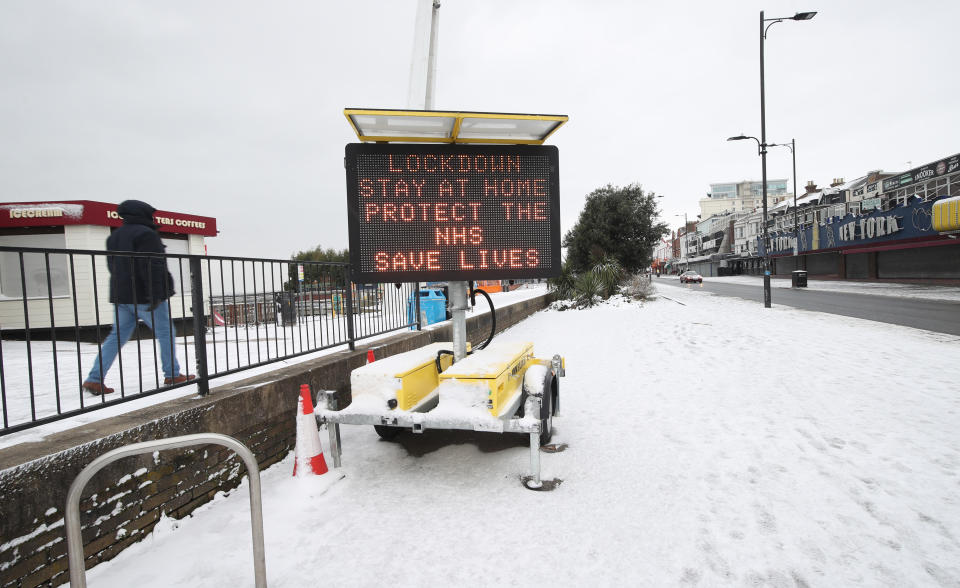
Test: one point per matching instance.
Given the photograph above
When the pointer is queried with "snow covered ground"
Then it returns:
(711, 443)
(240, 349)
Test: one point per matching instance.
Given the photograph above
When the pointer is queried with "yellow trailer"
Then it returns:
(503, 388)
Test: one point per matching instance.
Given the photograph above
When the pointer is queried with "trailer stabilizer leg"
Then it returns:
(329, 400)
(334, 430)
(533, 481)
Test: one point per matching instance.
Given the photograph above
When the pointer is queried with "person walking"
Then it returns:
(139, 290)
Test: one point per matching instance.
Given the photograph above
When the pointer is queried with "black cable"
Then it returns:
(440, 354)
(443, 352)
(493, 314)
(493, 324)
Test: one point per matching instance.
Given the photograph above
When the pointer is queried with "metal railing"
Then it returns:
(229, 314)
(78, 577)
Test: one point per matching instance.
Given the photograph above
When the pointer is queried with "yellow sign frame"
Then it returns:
(454, 136)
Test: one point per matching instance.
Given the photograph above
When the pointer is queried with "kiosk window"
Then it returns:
(34, 266)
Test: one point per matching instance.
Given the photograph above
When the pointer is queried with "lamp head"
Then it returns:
(738, 138)
(804, 15)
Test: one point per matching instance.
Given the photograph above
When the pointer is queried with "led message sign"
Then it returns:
(452, 212)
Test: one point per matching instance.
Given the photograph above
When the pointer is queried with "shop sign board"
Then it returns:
(910, 222)
(452, 212)
(939, 168)
(88, 212)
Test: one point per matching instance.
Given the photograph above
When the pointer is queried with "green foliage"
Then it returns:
(588, 288)
(609, 272)
(565, 283)
(318, 253)
(603, 280)
(325, 276)
(616, 222)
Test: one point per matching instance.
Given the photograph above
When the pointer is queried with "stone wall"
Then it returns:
(125, 500)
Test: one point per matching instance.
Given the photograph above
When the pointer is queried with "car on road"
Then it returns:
(690, 277)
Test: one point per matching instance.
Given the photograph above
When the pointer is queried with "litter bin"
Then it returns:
(798, 279)
(433, 307)
(287, 302)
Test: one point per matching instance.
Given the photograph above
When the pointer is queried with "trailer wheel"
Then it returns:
(546, 422)
(387, 433)
(546, 406)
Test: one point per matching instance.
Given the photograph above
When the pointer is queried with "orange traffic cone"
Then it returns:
(309, 453)
(370, 357)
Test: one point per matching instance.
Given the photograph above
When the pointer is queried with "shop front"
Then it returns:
(72, 287)
(902, 243)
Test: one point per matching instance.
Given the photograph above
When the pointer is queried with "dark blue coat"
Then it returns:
(137, 280)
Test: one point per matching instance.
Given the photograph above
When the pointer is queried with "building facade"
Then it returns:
(880, 226)
(52, 280)
(741, 196)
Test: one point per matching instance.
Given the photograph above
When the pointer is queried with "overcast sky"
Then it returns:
(234, 109)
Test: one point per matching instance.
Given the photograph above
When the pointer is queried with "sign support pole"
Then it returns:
(457, 290)
(458, 307)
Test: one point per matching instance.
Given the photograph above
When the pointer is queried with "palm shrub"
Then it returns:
(609, 273)
(564, 284)
(600, 281)
(604, 279)
(588, 288)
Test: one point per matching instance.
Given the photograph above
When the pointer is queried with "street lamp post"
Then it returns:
(762, 143)
(763, 140)
(792, 145)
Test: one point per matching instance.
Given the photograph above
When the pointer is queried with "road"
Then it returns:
(933, 315)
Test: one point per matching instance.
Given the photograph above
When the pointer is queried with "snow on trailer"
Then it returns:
(503, 389)
(453, 211)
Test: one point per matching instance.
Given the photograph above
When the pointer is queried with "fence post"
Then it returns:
(199, 325)
(416, 296)
(349, 296)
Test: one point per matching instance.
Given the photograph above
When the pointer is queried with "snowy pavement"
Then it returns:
(707, 447)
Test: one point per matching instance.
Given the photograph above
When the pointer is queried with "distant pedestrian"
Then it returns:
(139, 290)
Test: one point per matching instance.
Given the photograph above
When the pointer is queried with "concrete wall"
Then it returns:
(122, 504)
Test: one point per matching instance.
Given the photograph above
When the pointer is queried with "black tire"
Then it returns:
(546, 407)
(546, 422)
(387, 433)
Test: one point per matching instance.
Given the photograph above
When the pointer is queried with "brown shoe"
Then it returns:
(96, 388)
(178, 380)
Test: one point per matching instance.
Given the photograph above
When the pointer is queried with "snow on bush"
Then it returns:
(639, 286)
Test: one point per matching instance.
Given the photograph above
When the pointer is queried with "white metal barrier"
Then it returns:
(72, 514)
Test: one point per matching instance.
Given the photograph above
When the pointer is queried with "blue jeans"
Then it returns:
(125, 318)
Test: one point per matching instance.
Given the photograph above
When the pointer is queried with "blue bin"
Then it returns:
(433, 307)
